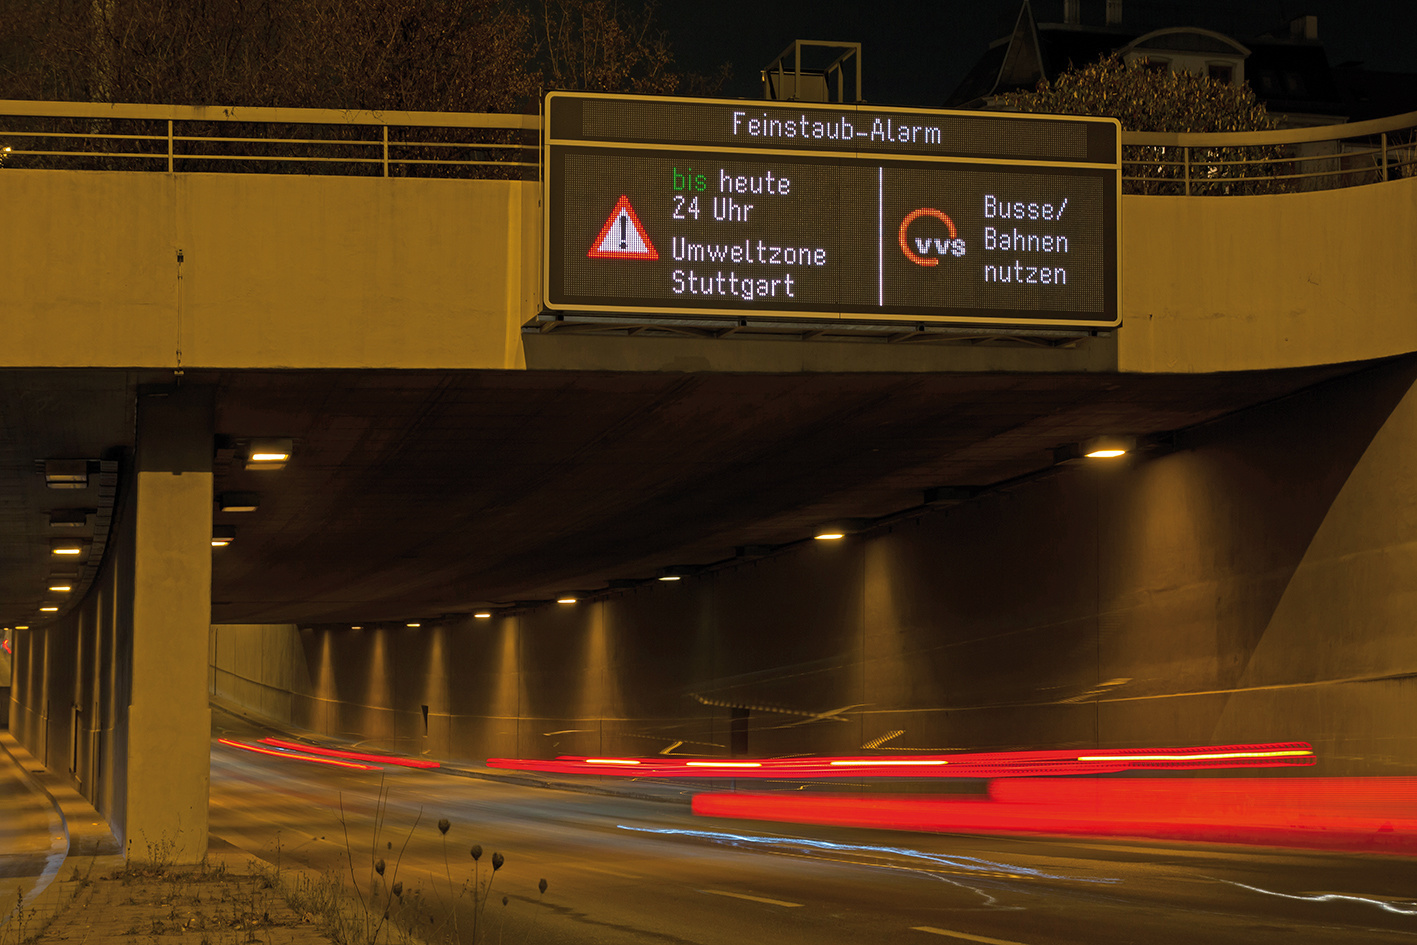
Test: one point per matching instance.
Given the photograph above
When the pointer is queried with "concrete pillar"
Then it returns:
(169, 718)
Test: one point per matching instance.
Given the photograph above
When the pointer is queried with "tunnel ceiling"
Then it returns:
(421, 493)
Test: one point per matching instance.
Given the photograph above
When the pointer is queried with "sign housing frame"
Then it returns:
(554, 148)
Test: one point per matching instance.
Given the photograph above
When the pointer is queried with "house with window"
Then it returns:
(1287, 69)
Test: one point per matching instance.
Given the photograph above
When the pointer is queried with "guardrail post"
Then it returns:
(1186, 162)
(1384, 157)
(386, 150)
(169, 146)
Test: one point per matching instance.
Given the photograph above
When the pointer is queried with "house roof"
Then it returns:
(1289, 75)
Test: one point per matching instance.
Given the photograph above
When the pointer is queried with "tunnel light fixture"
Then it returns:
(66, 473)
(951, 495)
(22, 626)
(840, 528)
(222, 536)
(1107, 447)
(1096, 447)
(483, 614)
(270, 453)
(49, 609)
(68, 518)
(71, 549)
(239, 501)
(413, 625)
(566, 600)
(670, 577)
(61, 588)
(356, 626)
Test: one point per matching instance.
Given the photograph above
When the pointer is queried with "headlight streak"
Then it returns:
(968, 863)
(1331, 897)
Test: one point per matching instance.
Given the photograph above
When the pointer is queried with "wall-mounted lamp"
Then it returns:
(676, 572)
(269, 453)
(66, 473)
(239, 501)
(49, 609)
(413, 625)
(1096, 447)
(68, 518)
(1107, 447)
(60, 588)
(840, 528)
(483, 614)
(222, 535)
(950, 495)
(566, 600)
(67, 549)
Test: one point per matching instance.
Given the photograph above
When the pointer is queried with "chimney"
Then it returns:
(1304, 27)
(1072, 12)
(1114, 12)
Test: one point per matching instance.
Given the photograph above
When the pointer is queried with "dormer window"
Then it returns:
(1190, 49)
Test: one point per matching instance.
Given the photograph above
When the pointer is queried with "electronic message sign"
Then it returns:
(786, 210)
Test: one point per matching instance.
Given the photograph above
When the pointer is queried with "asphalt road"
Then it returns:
(628, 870)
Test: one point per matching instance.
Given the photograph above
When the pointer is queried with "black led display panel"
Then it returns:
(668, 206)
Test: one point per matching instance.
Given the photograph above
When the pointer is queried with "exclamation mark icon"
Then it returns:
(622, 236)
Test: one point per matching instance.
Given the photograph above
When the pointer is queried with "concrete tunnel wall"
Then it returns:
(71, 684)
(1254, 585)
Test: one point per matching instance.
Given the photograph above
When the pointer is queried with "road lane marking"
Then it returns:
(606, 871)
(965, 935)
(764, 899)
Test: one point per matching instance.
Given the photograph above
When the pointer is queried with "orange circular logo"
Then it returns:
(910, 218)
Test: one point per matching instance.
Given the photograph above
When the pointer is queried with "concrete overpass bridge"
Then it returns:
(456, 450)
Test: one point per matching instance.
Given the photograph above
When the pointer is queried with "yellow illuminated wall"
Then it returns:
(267, 271)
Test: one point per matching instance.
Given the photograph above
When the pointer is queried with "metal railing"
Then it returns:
(87, 136)
(1325, 157)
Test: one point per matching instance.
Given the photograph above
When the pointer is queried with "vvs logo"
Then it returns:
(927, 250)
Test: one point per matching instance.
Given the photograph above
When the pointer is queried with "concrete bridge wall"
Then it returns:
(314, 272)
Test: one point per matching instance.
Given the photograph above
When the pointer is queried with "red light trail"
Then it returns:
(1361, 815)
(351, 755)
(280, 753)
(1007, 764)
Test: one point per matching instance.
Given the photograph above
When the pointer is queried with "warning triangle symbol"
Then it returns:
(622, 236)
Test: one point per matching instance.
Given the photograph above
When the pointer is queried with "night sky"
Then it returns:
(916, 53)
